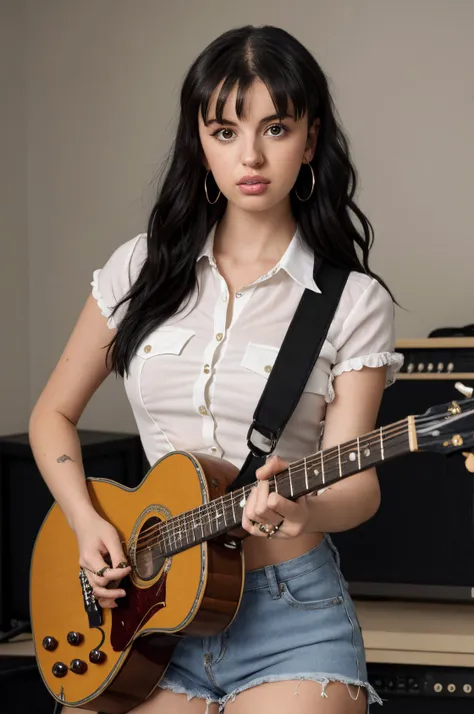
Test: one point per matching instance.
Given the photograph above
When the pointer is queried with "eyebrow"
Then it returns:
(272, 117)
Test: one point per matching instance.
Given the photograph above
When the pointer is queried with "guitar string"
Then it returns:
(180, 521)
(157, 556)
(295, 470)
(295, 467)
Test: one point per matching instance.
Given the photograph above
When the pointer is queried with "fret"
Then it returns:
(185, 532)
(215, 519)
(205, 521)
(181, 525)
(233, 506)
(173, 535)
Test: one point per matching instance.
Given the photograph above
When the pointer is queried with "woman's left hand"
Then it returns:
(269, 515)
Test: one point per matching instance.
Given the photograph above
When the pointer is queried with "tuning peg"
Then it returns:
(465, 391)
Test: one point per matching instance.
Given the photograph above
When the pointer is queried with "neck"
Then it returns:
(249, 237)
(312, 473)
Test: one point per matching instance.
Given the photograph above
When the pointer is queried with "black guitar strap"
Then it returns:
(294, 363)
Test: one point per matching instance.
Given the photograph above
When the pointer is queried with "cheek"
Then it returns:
(223, 166)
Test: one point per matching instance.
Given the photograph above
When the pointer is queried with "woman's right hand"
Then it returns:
(98, 539)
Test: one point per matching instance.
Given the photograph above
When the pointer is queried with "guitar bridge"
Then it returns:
(91, 606)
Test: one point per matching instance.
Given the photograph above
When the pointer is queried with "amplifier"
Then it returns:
(437, 358)
(420, 543)
(422, 681)
(417, 689)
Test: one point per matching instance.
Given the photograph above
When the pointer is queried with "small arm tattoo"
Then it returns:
(64, 458)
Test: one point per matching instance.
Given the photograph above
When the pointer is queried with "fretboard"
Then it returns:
(310, 474)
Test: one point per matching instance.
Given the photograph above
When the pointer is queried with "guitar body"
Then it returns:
(194, 592)
(182, 535)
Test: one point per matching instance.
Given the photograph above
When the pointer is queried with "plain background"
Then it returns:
(89, 94)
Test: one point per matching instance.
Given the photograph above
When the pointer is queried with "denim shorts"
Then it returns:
(296, 621)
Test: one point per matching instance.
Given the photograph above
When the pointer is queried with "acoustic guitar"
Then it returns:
(182, 534)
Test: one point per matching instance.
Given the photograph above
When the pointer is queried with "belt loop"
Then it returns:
(272, 581)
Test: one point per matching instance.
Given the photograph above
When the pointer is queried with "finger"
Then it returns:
(112, 575)
(262, 510)
(107, 603)
(108, 593)
(249, 525)
(284, 507)
(272, 466)
(114, 547)
(108, 582)
(255, 508)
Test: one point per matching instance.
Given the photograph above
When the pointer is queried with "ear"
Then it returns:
(311, 141)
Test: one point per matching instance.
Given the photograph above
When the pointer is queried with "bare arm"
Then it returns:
(53, 435)
(352, 413)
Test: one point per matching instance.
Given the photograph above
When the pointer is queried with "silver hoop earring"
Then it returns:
(313, 181)
(207, 195)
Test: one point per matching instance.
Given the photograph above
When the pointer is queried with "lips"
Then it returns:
(251, 180)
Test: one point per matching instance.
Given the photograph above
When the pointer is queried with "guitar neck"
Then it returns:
(312, 473)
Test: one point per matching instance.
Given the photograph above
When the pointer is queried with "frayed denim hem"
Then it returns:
(196, 693)
(320, 677)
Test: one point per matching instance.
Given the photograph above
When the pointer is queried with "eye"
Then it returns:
(223, 135)
(277, 130)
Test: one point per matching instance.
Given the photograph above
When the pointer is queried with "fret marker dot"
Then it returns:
(366, 452)
(352, 456)
(316, 472)
(242, 502)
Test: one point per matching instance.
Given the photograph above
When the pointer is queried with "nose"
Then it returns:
(252, 154)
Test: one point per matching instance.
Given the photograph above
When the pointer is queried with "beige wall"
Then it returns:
(14, 266)
(103, 83)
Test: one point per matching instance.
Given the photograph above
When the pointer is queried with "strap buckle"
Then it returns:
(272, 436)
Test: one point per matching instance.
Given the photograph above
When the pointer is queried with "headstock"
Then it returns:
(448, 428)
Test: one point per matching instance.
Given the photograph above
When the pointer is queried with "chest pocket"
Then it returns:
(261, 358)
(165, 341)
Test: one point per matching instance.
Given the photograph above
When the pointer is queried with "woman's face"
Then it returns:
(255, 161)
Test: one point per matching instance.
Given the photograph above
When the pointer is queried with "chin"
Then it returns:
(257, 204)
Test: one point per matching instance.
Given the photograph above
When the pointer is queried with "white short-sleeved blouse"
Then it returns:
(193, 384)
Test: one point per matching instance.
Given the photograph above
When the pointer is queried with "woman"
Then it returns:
(195, 311)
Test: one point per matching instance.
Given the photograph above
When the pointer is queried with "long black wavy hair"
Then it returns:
(182, 217)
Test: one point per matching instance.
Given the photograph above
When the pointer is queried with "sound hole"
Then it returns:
(148, 559)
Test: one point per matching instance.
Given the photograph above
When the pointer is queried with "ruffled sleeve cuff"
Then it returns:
(392, 360)
(104, 308)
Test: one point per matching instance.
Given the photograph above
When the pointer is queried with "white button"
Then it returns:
(203, 410)
(213, 449)
(219, 336)
(147, 348)
(237, 295)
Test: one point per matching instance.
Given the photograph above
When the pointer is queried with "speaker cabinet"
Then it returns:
(25, 501)
(420, 544)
